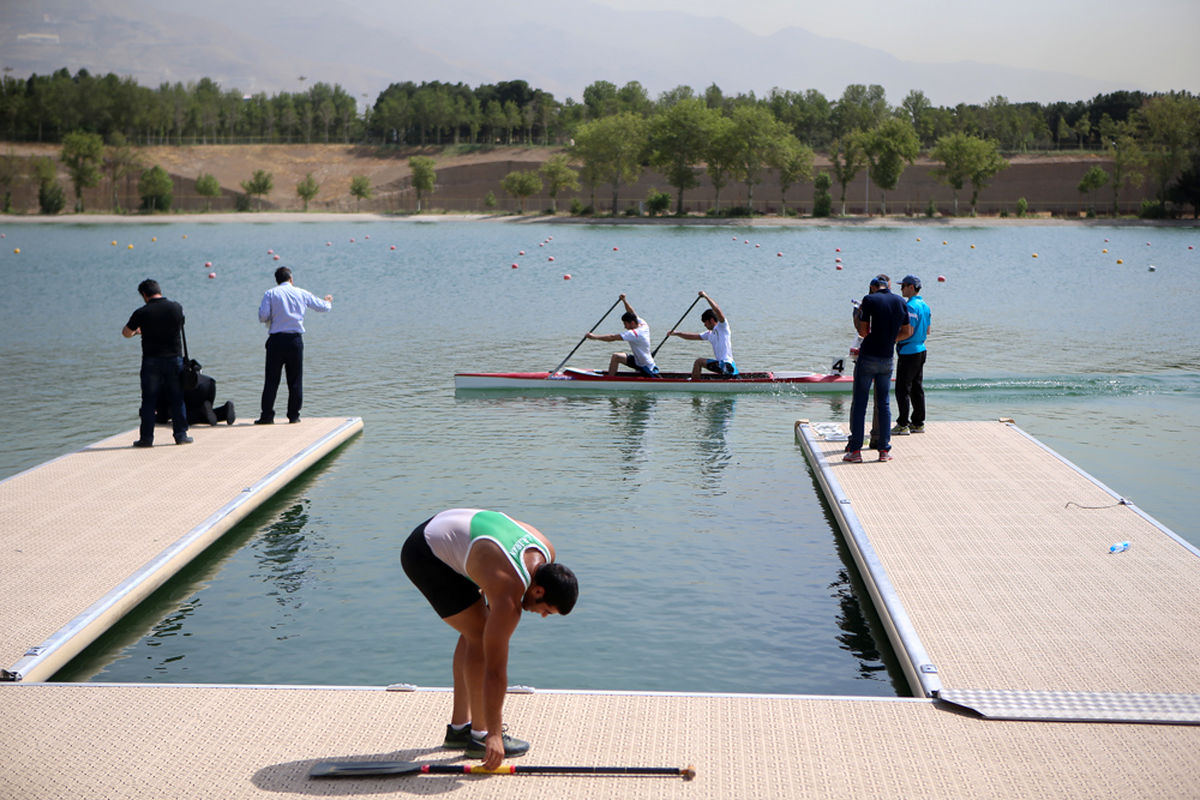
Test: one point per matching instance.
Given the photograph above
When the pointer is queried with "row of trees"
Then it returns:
(617, 133)
(682, 143)
(47, 107)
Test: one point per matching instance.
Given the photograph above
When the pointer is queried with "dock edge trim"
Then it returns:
(918, 668)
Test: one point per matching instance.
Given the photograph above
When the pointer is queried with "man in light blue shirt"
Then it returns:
(282, 311)
(910, 362)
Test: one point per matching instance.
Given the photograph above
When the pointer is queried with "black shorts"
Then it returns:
(447, 591)
(649, 372)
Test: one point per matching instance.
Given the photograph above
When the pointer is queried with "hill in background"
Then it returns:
(364, 45)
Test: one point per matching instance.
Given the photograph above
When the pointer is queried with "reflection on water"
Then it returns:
(856, 636)
(281, 554)
(714, 415)
(631, 416)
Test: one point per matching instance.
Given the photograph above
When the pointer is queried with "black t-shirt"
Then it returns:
(886, 313)
(161, 320)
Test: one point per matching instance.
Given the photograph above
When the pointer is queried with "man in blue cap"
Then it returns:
(881, 318)
(910, 361)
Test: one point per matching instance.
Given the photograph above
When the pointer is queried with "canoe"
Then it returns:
(572, 380)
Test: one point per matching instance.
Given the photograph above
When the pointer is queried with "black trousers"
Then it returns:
(285, 351)
(910, 372)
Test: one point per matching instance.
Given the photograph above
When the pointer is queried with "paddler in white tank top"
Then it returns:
(637, 335)
(479, 569)
(718, 335)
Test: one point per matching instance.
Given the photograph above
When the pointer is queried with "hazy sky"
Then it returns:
(1147, 42)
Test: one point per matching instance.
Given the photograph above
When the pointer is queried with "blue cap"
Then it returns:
(911, 280)
(878, 283)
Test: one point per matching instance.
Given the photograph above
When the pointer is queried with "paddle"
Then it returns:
(349, 769)
(654, 352)
(584, 339)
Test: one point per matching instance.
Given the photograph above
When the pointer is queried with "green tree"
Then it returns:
(793, 161)
(954, 151)
(260, 184)
(920, 113)
(522, 184)
(9, 173)
(1167, 131)
(424, 179)
(721, 155)
(51, 197)
(82, 154)
(1186, 190)
(678, 139)
(1063, 132)
(966, 158)
(848, 159)
(861, 108)
(156, 189)
(808, 115)
(601, 100)
(1083, 129)
(613, 147)
(307, 189)
(120, 161)
(988, 163)
(1121, 146)
(822, 199)
(360, 188)
(208, 188)
(890, 147)
(760, 137)
(1093, 179)
(558, 175)
(657, 202)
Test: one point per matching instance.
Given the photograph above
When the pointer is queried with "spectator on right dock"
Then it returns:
(910, 362)
(881, 318)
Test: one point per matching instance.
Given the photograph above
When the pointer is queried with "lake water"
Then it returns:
(706, 556)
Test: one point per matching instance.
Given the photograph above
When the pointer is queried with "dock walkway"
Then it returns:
(987, 555)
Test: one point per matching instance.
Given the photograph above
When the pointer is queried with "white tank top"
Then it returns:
(452, 533)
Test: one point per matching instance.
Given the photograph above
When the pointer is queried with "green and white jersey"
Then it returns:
(452, 533)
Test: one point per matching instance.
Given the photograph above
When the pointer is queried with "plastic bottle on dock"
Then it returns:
(1119, 547)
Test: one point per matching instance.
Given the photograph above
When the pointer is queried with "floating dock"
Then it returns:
(988, 557)
(88, 536)
(985, 553)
